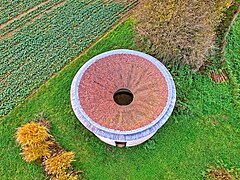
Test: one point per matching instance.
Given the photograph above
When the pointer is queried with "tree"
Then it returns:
(179, 31)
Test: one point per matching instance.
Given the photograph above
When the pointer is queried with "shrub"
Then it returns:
(32, 133)
(37, 143)
(33, 152)
(65, 176)
(59, 163)
(180, 32)
(222, 172)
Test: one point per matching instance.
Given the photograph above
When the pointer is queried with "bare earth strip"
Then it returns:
(9, 35)
(21, 15)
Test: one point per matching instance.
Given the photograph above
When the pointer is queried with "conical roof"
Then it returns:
(148, 81)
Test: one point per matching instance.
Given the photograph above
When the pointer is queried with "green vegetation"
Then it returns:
(10, 10)
(203, 130)
(28, 17)
(232, 51)
(38, 50)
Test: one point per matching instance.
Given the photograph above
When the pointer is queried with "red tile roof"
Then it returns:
(105, 76)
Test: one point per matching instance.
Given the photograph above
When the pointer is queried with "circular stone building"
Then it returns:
(123, 96)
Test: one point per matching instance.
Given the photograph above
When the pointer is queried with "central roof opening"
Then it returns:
(123, 97)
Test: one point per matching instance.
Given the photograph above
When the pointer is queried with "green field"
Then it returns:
(45, 36)
(204, 129)
(11, 10)
(233, 51)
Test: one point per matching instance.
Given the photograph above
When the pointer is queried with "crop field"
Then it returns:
(39, 37)
(10, 10)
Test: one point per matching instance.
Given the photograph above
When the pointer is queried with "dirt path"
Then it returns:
(9, 35)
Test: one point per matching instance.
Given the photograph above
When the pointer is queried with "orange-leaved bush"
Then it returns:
(32, 133)
(33, 138)
(179, 31)
(37, 144)
(58, 163)
(36, 151)
(65, 176)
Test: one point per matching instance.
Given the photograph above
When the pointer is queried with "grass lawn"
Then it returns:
(203, 130)
(232, 54)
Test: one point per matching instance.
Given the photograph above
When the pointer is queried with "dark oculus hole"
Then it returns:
(123, 97)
